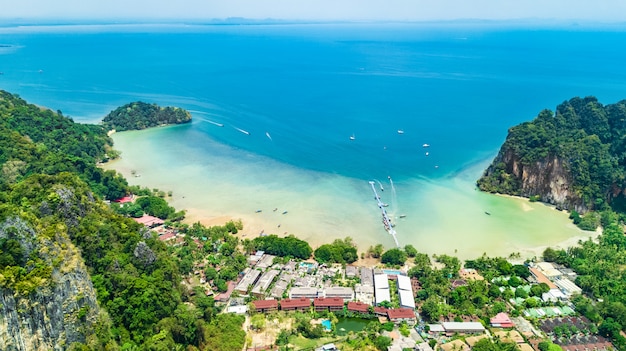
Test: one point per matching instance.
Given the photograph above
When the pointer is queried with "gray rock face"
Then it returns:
(548, 178)
(50, 318)
(60, 310)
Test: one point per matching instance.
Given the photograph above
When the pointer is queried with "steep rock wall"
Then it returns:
(60, 312)
(547, 178)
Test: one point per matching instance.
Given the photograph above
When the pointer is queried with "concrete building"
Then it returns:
(355, 306)
(381, 295)
(328, 304)
(381, 281)
(264, 282)
(265, 305)
(341, 292)
(304, 292)
(568, 287)
(352, 271)
(364, 293)
(406, 299)
(302, 304)
(248, 280)
(404, 283)
(367, 276)
(398, 315)
(265, 261)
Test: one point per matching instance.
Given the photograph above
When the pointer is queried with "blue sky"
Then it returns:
(597, 10)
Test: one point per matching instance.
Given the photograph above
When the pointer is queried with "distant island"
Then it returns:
(573, 158)
(141, 115)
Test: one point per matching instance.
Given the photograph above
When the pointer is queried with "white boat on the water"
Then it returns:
(267, 134)
(352, 137)
(426, 145)
(242, 131)
(400, 131)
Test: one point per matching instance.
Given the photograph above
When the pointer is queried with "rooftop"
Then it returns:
(263, 304)
(400, 313)
(328, 302)
(293, 303)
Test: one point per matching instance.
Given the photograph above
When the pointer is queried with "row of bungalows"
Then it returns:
(395, 315)
(344, 293)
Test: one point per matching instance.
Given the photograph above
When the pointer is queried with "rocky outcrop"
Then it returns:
(60, 310)
(548, 179)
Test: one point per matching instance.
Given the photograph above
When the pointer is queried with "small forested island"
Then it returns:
(573, 158)
(88, 262)
(141, 115)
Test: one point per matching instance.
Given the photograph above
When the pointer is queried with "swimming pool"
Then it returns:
(326, 324)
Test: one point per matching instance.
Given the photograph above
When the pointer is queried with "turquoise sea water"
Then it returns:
(301, 91)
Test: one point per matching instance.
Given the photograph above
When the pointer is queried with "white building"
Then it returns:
(406, 299)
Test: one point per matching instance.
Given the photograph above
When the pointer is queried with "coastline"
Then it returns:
(215, 184)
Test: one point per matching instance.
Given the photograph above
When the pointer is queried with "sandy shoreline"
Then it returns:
(443, 216)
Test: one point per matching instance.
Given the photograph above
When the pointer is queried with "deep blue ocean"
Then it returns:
(302, 90)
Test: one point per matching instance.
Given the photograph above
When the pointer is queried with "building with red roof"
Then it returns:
(167, 236)
(125, 199)
(223, 297)
(328, 303)
(265, 305)
(149, 221)
(380, 311)
(301, 304)
(501, 320)
(357, 306)
(398, 315)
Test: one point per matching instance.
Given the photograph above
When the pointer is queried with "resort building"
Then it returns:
(380, 311)
(328, 304)
(355, 306)
(541, 278)
(304, 292)
(568, 287)
(451, 328)
(352, 271)
(341, 292)
(364, 293)
(281, 285)
(472, 340)
(367, 276)
(149, 221)
(225, 296)
(501, 320)
(248, 280)
(264, 282)
(264, 306)
(398, 315)
(405, 292)
(406, 299)
(381, 288)
(265, 261)
(302, 304)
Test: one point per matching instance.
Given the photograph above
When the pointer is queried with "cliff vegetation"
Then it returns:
(141, 115)
(573, 158)
(73, 273)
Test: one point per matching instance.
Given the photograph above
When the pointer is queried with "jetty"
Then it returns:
(386, 221)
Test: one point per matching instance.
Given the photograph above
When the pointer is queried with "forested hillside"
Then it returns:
(573, 158)
(140, 115)
(50, 204)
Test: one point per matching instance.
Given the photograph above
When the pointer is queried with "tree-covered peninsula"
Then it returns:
(141, 115)
(573, 158)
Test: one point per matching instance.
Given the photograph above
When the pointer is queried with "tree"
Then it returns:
(394, 257)
(410, 250)
(382, 343)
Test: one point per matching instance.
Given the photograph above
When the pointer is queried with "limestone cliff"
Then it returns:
(49, 303)
(547, 179)
(574, 158)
